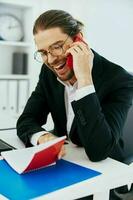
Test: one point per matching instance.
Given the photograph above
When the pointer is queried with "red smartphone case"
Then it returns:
(69, 61)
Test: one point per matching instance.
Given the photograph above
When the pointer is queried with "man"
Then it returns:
(88, 100)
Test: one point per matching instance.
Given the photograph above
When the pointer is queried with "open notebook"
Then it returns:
(36, 157)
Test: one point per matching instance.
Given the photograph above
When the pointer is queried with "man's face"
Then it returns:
(47, 39)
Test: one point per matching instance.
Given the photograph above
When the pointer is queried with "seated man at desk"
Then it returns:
(87, 95)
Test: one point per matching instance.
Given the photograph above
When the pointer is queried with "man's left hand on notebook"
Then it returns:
(47, 137)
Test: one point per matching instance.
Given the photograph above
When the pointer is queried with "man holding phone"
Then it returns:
(87, 95)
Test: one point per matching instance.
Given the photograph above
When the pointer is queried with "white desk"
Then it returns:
(7, 122)
(114, 173)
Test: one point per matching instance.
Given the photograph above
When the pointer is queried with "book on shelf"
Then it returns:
(36, 157)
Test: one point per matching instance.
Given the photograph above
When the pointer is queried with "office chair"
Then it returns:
(122, 192)
(128, 136)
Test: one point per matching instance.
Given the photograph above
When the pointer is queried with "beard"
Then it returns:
(66, 76)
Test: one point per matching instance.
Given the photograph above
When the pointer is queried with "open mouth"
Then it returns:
(60, 66)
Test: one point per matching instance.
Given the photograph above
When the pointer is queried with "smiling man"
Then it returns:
(55, 57)
(88, 97)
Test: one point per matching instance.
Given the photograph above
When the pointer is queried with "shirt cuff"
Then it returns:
(35, 137)
(84, 91)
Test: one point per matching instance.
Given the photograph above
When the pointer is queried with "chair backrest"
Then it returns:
(128, 135)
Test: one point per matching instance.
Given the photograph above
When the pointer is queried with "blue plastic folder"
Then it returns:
(36, 183)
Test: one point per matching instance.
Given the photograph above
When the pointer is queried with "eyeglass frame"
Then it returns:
(36, 52)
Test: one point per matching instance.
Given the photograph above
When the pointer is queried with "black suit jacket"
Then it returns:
(99, 117)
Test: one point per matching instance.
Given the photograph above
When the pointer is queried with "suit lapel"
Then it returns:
(59, 108)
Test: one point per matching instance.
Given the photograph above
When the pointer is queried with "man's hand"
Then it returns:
(47, 137)
(82, 63)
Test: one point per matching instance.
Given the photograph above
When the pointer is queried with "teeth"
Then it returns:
(59, 66)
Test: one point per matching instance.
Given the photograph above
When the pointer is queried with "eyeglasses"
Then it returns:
(54, 50)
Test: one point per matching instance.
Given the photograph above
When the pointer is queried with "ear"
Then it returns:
(78, 35)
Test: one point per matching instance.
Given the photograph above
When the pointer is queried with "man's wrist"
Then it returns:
(83, 83)
(84, 91)
(41, 137)
(35, 136)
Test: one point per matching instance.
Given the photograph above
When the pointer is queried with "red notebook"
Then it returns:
(32, 158)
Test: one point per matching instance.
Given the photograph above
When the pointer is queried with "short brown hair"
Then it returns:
(58, 18)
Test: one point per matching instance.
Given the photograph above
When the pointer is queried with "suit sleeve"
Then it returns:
(34, 114)
(100, 123)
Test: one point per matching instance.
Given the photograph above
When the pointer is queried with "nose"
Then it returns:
(51, 58)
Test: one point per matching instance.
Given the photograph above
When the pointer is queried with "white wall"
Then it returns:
(108, 25)
(108, 28)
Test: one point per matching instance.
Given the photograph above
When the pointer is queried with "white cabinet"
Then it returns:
(16, 57)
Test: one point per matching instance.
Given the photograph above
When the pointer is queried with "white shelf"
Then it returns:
(14, 77)
(23, 4)
(12, 43)
(16, 88)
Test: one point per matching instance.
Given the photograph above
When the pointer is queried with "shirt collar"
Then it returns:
(66, 84)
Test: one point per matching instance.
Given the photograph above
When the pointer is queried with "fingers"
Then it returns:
(78, 47)
(62, 152)
(82, 46)
(49, 136)
(46, 137)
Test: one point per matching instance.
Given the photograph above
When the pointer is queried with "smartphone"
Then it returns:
(5, 146)
(69, 61)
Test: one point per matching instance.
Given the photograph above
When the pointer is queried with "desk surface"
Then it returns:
(114, 173)
(7, 122)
